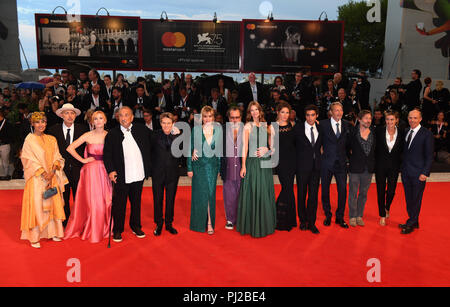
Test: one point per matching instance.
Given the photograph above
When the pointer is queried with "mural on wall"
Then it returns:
(439, 11)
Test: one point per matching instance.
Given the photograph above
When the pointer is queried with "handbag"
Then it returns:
(50, 193)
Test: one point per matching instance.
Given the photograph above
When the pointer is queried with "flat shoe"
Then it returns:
(36, 245)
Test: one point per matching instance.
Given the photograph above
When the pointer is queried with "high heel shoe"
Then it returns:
(36, 245)
(210, 232)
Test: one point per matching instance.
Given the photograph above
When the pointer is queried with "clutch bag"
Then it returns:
(50, 193)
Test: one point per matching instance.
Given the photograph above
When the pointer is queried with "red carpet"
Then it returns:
(336, 257)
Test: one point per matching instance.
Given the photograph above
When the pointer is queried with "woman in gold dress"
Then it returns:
(43, 169)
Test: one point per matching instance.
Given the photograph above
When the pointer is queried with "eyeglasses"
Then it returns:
(235, 117)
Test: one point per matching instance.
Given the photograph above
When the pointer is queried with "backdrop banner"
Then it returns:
(102, 42)
(288, 46)
(191, 45)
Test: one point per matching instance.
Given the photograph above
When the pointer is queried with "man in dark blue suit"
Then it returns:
(417, 159)
(335, 132)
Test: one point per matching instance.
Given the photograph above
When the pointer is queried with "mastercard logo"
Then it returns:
(44, 21)
(170, 39)
(251, 26)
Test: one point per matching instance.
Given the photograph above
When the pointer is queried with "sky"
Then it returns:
(176, 9)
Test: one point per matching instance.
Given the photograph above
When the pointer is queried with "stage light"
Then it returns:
(215, 18)
(102, 8)
(65, 11)
(269, 17)
(326, 16)
(162, 19)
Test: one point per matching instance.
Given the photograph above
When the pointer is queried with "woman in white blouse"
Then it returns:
(388, 154)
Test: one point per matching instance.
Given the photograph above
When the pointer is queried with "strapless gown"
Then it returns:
(92, 208)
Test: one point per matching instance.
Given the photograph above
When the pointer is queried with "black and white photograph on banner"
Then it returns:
(98, 41)
(191, 45)
(281, 46)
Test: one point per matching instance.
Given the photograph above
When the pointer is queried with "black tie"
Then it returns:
(313, 141)
(68, 137)
(408, 141)
(338, 132)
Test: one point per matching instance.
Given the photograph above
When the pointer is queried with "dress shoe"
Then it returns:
(403, 226)
(327, 221)
(172, 230)
(341, 223)
(229, 225)
(303, 226)
(158, 230)
(407, 230)
(359, 221)
(352, 222)
(139, 233)
(314, 229)
(117, 237)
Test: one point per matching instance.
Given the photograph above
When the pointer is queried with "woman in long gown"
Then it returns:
(203, 167)
(256, 211)
(43, 169)
(286, 215)
(92, 209)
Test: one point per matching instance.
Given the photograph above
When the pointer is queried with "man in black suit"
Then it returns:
(117, 102)
(165, 170)
(218, 103)
(95, 100)
(183, 105)
(127, 161)
(308, 142)
(139, 103)
(417, 159)
(94, 78)
(66, 133)
(412, 90)
(334, 162)
(251, 91)
(162, 102)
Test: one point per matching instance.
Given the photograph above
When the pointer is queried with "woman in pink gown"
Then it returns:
(92, 208)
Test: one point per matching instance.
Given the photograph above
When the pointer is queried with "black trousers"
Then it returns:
(386, 180)
(341, 181)
(286, 216)
(158, 199)
(122, 192)
(73, 175)
(414, 189)
(308, 184)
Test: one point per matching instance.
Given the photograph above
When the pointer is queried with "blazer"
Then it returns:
(305, 151)
(418, 157)
(246, 95)
(58, 133)
(113, 156)
(88, 101)
(385, 160)
(165, 167)
(359, 161)
(146, 102)
(335, 151)
(222, 106)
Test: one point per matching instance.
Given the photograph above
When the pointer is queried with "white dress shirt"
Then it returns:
(333, 125)
(150, 126)
(390, 144)
(308, 131)
(415, 130)
(134, 164)
(95, 101)
(71, 132)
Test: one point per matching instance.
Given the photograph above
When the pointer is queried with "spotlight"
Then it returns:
(102, 8)
(53, 12)
(269, 17)
(326, 16)
(162, 19)
(215, 18)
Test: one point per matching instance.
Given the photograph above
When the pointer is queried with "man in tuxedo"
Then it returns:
(127, 161)
(334, 162)
(308, 142)
(417, 159)
(230, 165)
(66, 133)
(114, 105)
(150, 122)
(251, 91)
(412, 90)
(161, 102)
(218, 103)
(95, 100)
(139, 103)
(165, 174)
(183, 105)
(94, 78)
(338, 83)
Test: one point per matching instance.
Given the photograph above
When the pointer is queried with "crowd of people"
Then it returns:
(83, 133)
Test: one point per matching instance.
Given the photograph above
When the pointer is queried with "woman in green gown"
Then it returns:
(203, 169)
(256, 211)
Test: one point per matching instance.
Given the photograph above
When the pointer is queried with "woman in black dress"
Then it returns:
(442, 96)
(439, 129)
(286, 214)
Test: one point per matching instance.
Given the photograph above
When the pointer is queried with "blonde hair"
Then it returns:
(207, 109)
(37, 117)
(166, 115)
(91, 120)
(439, 85)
